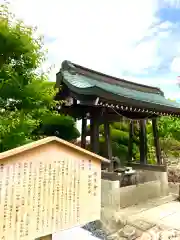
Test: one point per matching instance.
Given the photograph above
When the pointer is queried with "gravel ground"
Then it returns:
(96, 229)
(174, 174)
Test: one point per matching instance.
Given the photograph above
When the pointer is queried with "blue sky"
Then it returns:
(138, 40)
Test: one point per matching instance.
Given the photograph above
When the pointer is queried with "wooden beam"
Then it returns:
(156, 141)
(150, 167)
(94, 132)
(130, 145)
(83, 132)
(108, 145)
(109, 115)
(143, 142)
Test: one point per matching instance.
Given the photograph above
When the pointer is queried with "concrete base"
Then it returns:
(155, 185)
(110, 194)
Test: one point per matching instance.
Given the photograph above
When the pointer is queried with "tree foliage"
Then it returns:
(169, 130)
(26, 95)
(58, 125)
(120, 139)
(27, 106)
(169, 133)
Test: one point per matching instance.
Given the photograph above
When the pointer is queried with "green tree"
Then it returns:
(120, 139)
(26, 95)
(169, 131)
(58, 125)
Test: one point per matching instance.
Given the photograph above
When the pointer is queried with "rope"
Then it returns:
(121, 115)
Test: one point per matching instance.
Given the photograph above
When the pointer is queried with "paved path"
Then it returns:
(156, 219)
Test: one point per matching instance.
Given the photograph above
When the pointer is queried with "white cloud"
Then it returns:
(173, 95)
(98, 34)
(175, 66)
(103, 35)
(142, 57)
(165, 25)
(160, 81)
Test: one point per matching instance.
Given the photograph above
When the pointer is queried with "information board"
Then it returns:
(38, 198)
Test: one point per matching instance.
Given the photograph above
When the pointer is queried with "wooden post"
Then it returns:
(156, 140)
(74, 104)
(94, 132)
(48, 237)
(130, 145)
(83, 132)
(108, 145)
(143, 142)
(74, 101)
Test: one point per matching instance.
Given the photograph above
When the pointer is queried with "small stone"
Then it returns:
(129, 231)
(120, 219)
(141, 224)
(121, 233)
(165, 235)
(113, 237)
(145, 236)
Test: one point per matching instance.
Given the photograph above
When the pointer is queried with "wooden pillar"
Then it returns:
(94, 133)
(156, 140)
(74, 101)
(108, 145)
(75, 104)
(130, 145)
(83, 132)
(143, 142)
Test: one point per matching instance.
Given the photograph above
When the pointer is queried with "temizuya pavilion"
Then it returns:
(104, 99)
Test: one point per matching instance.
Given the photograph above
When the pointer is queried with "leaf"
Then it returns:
(27, 106)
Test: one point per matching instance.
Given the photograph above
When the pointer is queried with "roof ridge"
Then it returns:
(44, 141)
(76, 68)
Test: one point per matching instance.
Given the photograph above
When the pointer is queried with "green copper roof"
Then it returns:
(87, 82)
(91, 86)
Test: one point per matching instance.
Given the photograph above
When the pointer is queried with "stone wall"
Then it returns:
(151, 184)
(174, 188)
(140, 176)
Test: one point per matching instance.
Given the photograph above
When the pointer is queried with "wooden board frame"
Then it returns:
(46, 187)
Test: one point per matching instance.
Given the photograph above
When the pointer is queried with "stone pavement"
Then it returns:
(156, 219)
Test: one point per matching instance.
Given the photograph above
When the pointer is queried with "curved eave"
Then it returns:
(123, 100)
(67, 65)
